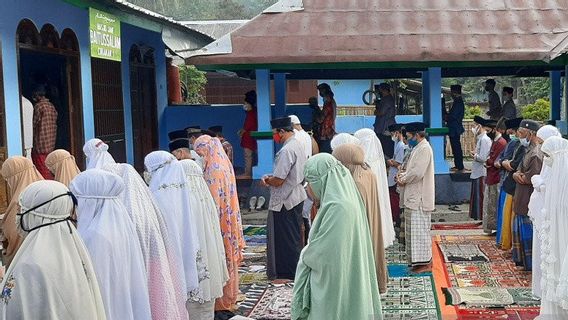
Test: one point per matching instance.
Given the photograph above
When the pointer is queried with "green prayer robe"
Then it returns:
(336, 278)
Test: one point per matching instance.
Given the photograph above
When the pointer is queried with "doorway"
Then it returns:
(108, 106)
(52, 61)
(144, 103)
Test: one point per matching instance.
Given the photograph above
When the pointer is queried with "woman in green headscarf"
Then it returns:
(336, 276)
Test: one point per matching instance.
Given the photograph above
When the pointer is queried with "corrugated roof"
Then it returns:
(214, 28)
(345, 31)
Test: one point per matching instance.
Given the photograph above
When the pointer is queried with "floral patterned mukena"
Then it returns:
(7, 290)
(220, 177)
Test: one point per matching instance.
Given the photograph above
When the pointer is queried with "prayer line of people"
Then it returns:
(102, 244)
(517, 191)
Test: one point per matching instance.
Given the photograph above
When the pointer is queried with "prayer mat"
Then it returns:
(249, 230)
(478, 297)
(523, 297)
(410, 296)
(253, 278)
(275, 303)
(396, 254)
(458, 226)
(498, 313)
(494, 274)
(456, 252)
(428, 314)
(253, 294)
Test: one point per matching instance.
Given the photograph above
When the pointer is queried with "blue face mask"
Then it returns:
(412, 142)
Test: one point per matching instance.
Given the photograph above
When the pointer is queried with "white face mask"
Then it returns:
(525, 142)
(548, 161)
(246, 107)
(475, 130)
(394, 139)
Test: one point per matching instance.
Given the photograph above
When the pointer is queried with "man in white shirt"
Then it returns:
(302, 135)
(394, 165)
(478, 169)
(27, 115)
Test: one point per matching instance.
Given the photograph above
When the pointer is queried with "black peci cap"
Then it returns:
(281, 123)
(177, 144)
(414, 127)
(513, 123)
(530, 124)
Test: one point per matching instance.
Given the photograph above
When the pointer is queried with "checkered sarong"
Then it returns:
(418, 238)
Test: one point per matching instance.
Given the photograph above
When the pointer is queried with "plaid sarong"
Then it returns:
(522, 241)
(476, 198)
(418, 237)
(490, 204)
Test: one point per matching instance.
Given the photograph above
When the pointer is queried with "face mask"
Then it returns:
(525, 142)
(513, 137)
(413, 142)
(245, 107)
(277, 138)
(475, 130)
(394, 139)
(492, 135)
(548, 161)
(21, 215)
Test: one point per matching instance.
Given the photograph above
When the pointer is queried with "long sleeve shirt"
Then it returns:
(385, 114)
(454, 118)
(418, 179)
(495, 109)
(509, 109)
(497, 147)
(531, 166)
(482, 150)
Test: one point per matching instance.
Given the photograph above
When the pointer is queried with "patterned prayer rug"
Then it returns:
(498, 313)
(478, 296)
(457, 226)
(484, 274)
(462, 252)
(274, 304)
(396, 254)
(253, 294)
(410, 298)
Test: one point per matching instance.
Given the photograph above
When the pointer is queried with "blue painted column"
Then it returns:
(555, 95)
(280, 89)
(265, 147)
(432, 88)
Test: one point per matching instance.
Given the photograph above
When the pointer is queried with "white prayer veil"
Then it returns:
(169, 187)
(343, 138)
(97, 154)
(111, 240)
(555, 237)
(51, 275)
(165, 280)
(209, 231)
(374, 157)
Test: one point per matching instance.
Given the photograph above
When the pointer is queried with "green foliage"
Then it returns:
(206, 9)
(540, 110)
(194, 81)
(472, 111)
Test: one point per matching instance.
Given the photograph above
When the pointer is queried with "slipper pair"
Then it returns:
(256, 203)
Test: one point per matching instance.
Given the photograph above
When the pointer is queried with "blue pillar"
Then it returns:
(555, 95)
(280, 89)
(265, 147)
(432, 89)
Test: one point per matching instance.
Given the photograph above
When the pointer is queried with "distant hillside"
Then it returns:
(206, 9)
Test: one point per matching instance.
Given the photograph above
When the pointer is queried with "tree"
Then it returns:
(194, 82)
(539, 111)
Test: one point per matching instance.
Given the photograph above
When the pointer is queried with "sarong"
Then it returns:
(507, 226)
(490, 204)
(522, 241)
(476, 198)
(418, 237)
(39, 162)
(284, 235)
(395, 205)
(401, 235)
(500, 209)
